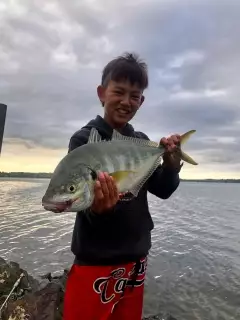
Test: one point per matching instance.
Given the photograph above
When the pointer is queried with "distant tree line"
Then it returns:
(48, 175)
(41, 175)
(213, 180)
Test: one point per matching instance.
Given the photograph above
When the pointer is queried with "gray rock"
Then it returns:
(9, 274)
(40, 305)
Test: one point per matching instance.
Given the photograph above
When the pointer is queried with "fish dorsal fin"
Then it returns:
(94, 136)
(143, 142)
(117, 135)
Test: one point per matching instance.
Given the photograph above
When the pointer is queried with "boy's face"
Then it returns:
(121, 101)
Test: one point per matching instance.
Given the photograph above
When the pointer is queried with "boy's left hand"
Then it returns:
(172, 157)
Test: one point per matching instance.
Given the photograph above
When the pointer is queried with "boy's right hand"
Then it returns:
(106, 193)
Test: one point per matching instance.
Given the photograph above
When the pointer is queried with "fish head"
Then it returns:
(70, 190)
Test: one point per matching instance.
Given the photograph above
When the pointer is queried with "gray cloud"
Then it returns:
(51, 57)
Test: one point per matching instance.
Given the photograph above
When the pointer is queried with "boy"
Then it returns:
(111, 240)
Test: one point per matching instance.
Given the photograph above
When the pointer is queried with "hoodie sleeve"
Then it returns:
(164, 181)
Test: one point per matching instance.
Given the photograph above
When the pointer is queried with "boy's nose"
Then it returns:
(125, 101)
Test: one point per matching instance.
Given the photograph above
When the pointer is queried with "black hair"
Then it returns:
(126, 67)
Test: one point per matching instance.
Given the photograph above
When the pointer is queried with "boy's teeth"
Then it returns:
(122, 111)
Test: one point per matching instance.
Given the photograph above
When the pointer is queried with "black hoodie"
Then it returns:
(124, 234)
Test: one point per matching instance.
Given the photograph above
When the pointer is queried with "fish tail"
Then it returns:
(183, 139)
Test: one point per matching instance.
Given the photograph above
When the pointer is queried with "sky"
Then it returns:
(52, 54)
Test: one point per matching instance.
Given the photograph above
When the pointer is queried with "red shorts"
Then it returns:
(105, 292)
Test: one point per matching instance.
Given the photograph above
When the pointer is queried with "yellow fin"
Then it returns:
(120, 175)
(184, 137)
(187, 158)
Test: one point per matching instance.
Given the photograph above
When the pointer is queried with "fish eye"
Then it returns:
(71, 188)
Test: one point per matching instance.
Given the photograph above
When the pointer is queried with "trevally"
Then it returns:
(130, 161)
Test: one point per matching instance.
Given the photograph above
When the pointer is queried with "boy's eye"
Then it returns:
(136, 97)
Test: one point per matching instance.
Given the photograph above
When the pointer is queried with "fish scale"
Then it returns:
(120, 158)
(134, 159)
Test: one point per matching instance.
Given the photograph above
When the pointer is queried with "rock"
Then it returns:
(32, 300)
(35, 300)
(40, 305)
(61, 279)
(9, 274)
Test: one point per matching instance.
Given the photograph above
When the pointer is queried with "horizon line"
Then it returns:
(19, 174)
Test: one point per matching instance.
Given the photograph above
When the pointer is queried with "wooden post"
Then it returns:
(3, 112)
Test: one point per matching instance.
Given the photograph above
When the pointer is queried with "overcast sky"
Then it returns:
(52, 54)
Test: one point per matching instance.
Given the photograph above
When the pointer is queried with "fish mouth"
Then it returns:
(57, 206)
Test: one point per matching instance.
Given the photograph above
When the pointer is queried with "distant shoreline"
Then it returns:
(47, 175)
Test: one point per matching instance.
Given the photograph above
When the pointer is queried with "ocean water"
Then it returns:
(194, 265)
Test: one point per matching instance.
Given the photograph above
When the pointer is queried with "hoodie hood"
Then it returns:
(105, 130)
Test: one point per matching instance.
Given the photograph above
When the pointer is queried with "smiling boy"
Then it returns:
(111, 241)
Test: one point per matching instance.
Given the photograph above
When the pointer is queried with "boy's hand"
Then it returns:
(171, 143)
(172, 157)
(106, 194)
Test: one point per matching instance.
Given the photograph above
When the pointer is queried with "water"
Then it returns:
(194, 266)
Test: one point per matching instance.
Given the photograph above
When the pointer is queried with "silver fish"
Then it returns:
(130, 161)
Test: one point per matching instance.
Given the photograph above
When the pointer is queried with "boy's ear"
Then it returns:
(101, 93)
(142, 100)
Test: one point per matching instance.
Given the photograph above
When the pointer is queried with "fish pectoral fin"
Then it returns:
(120, 175)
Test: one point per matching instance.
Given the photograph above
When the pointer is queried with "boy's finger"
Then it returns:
(115, 190)
(103, 184)
(98, 191)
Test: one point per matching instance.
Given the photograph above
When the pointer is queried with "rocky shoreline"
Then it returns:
(24, 298)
